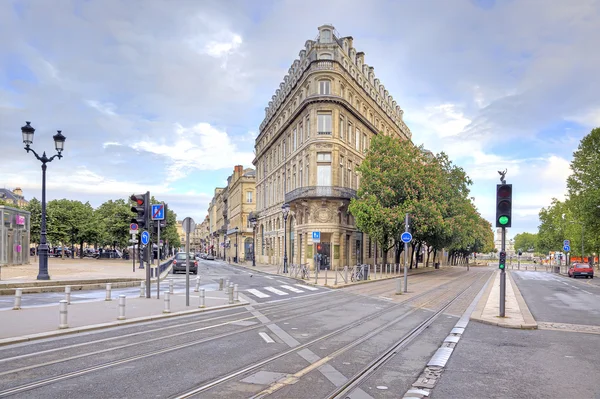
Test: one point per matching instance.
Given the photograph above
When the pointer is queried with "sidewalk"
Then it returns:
(42, 322)
(516, 312)
(79, 273)
(331, 279)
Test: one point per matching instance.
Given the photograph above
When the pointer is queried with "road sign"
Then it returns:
(316, 236)
(133, 226)
(133, 241)
(566, 242)
(567, 248)
(406, 237)
(145, 237)
(188, 225)
(158, 211)
(134, 232)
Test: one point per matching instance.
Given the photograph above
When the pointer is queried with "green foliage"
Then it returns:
(525, 241)
(35, 207)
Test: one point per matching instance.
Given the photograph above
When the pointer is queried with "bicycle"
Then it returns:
(357, 275)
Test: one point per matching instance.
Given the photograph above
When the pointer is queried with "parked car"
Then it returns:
(209, 257)
(179, 263)
(581, 269)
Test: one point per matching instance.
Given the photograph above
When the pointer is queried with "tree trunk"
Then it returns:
(417, 255)
(428, 254)
(81, 249)
(434, 255)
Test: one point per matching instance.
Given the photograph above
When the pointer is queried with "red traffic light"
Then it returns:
(505, 191)
(138, 198)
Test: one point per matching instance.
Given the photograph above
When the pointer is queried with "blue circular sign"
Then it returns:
(567, 248)
(145, 238)
(406, 237)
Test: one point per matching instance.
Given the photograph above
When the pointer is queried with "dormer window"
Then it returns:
(326, 36)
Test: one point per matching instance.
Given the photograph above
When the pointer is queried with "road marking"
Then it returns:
(266, 337)
(308, 287)
(281, 282)
(269, 277)
(290, 288)
(257, 293)
(275, 291)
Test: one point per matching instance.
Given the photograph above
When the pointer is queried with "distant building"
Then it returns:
(510, 244)
(14, 197)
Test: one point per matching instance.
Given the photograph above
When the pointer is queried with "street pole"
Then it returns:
(237, 260)
(158, 262)
(581, 242)
(43, 249)
(285, 243)
(187, 269)
(503, 276)
(254, 246)
(406, 228)
(148, 271)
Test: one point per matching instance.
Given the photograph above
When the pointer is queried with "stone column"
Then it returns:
(343, 260)
(335, 240)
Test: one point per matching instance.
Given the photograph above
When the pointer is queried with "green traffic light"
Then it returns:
(501, 266)
(503, 220)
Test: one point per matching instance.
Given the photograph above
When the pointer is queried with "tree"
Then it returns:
(35, 208)
(69, 221)
(526, 242)
(114, 218)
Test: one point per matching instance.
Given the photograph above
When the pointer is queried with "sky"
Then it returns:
(168, 96)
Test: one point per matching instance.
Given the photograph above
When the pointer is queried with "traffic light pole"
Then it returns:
(406, 228)
(158, 261)
(503, 276)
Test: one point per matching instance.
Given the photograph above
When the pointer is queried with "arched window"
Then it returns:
(325, 56)
(324, 87)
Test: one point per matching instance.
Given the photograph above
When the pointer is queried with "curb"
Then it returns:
(333, 287)
(93, 327)
(529, 324)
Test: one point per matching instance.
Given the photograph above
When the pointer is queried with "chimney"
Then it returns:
(238, 170)
(18, 191)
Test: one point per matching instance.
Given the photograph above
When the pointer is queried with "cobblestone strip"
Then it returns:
(576, 328)
(423, 386)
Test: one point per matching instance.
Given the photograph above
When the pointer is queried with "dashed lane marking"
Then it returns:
(276, 291)
(290, 288)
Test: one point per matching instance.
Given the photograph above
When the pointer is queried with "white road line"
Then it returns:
(257, 293)
(275, 291)
(269, 277)
(290, 288)
(281, 282)
(308, 287)
(266, 337)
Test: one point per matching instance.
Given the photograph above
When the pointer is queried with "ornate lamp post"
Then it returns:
(285, 209)
(59, 144)
(254, 222)
(236, 245)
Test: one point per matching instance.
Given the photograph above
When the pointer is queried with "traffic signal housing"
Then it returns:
(502, 263)
(141, 208)
(504, 205)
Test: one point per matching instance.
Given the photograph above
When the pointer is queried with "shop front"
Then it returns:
(14, 236)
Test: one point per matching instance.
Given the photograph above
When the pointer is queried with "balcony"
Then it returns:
(320, 192)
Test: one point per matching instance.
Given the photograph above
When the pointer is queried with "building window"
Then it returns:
(341, 128)
(249, 196)
(325, 36)
(350, 174)
(324, 123)
(325, 56)
(324, 87)
(357, 141)
(342, 179)
(307, 171)
(295, 139)
(301, 134)
(300, 175)
(323, 169)
(364, 145)
(307, 126)
(349, 131)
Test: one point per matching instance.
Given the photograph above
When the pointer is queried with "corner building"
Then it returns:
(316, 131)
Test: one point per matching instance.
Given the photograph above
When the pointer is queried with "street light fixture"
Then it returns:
(253, 221)
(59, 144)
(285, 209)
(237, 260)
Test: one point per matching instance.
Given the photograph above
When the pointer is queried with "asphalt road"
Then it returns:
(323, 338)
(259, 287)
(558, 360)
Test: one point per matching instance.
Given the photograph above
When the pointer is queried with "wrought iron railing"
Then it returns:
(320, 192)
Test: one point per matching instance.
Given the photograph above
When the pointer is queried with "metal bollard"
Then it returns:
(220, 284)
(142, 289)
(230, 292)
(62, 314)
(202, 298)
(236, 293)
(227, 283)
(398, 286)
(171, 285)
(108, 288)
(167, 308)
(197, 284)
(18, 295)
(346, 274)
(326, 281)
(336, 274)
(68, 294)
(316, 274)
(121, 307)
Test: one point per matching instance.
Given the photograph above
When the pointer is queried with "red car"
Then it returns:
(581, 269)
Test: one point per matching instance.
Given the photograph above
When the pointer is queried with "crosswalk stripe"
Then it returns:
(269, 277)
(288, 287)
(257, 293)
(275, 291)
(308, 287)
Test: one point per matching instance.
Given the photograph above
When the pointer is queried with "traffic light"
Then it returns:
(503, 205)
(502, 263)
(141, 208)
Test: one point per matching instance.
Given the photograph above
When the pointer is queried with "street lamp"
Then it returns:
(59, 145)
(285, 209)
(253, 221)
(236, 245)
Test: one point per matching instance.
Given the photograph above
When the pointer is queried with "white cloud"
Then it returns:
(221, 48)
(105, 108)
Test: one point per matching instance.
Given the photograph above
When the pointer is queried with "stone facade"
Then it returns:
(316, 131)
(14, 197)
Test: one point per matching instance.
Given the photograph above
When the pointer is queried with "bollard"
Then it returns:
(227, 283)
(18, 295)
(346, 274)
(316, 274)
(398, 286)
(220, 284)
(197, 284)
(121, 307)
(336, 274)
(326, 275)
(62, 314)
(68, 294)
(230, 292)
(167, 308)
(236, 293)
(142, 289)
(171, 285)
(202, 298)
(108, 296)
